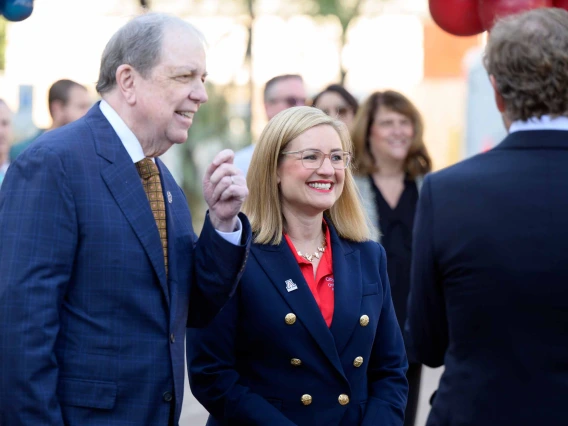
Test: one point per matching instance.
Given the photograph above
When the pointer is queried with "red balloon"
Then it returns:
(457, 17)
(562, 4)
(491, 10)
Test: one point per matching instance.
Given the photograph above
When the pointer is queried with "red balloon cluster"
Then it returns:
(470, 17)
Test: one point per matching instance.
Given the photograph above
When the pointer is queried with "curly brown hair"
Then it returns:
(527, 54)
(417, 162)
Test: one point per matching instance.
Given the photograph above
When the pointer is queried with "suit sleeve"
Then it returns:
(426, 325)
(388, 387)
(38, 229)
(218, 268)
(214, 380)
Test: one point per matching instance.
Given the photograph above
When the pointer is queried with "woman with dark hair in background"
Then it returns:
(337, 102)
(391, 161)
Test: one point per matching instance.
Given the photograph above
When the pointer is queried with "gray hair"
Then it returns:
(138, 44)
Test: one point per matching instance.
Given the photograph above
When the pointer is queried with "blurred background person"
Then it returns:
(280, 92)
(336, 101)
(68, 101)
(489, 295)
(5, 138)
(391, 161)
(310, 337)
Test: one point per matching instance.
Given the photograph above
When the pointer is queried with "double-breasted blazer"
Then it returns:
(270, 359)
(91, 329)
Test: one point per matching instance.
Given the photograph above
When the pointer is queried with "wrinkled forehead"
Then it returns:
(182, 46)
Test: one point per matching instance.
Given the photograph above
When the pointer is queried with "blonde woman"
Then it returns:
(310, 337)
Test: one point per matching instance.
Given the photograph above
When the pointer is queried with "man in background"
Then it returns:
(280, 92)
(68, 101)
(5, 138)
(489, 293)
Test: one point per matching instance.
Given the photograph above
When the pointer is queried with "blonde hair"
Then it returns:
(263, 205)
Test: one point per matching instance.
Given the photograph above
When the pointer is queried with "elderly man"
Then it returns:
(489, 293)
(100, 270)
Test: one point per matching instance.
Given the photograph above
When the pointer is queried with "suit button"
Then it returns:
(343, 399)
(290, 319)
(168, 396)
(296, 362)
(306, 399)
(364, 320)
(358, 362)
(172, 338)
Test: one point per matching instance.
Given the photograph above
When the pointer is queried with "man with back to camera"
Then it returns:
(67, 101)
(280, 92)
(100, 270)
(489, 294)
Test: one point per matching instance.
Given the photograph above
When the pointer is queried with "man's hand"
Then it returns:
(225, 190)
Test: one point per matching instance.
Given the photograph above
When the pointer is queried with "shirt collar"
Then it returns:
(543, 123)
(4, 167)
(128, 139)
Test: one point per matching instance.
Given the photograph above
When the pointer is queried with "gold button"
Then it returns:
(364, 320)
(290, 319)
(306, 399)
(296, 362)
(358, 362)
(343, 399)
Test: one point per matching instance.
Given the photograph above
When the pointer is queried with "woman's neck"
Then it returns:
(388, 170)
(303, 229)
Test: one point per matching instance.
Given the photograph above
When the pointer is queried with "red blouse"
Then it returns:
(322, 285)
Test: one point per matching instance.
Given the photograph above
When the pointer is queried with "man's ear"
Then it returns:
(126, 82)
(499, 101)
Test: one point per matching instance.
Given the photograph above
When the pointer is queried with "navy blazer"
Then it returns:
(250, 367)
(489, 294)
(91, 330)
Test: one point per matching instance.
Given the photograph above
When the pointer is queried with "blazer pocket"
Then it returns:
(369, 289)
(87, 393)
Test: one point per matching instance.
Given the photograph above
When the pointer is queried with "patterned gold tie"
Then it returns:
(150, 176)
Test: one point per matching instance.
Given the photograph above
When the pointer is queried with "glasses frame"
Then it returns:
(346, 153)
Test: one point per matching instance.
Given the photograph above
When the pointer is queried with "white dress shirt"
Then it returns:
(134, 149)
(543, 123)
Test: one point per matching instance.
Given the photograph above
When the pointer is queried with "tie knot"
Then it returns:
(147, 168)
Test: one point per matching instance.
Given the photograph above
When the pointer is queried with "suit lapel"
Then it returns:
(280, 265)
(124, 184)
(347, 289)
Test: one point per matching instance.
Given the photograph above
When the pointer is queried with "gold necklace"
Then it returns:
(317, 254)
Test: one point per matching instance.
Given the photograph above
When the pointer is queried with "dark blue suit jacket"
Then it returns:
(489, 295)
(91, 330)
(240, 366)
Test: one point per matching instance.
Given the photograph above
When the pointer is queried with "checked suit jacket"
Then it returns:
(92, 331)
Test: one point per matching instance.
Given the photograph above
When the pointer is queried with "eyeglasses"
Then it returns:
(313, 158)
(291, 101)
(338, 112)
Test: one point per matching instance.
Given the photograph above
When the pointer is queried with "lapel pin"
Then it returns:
(291, 286)
(170, 197)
